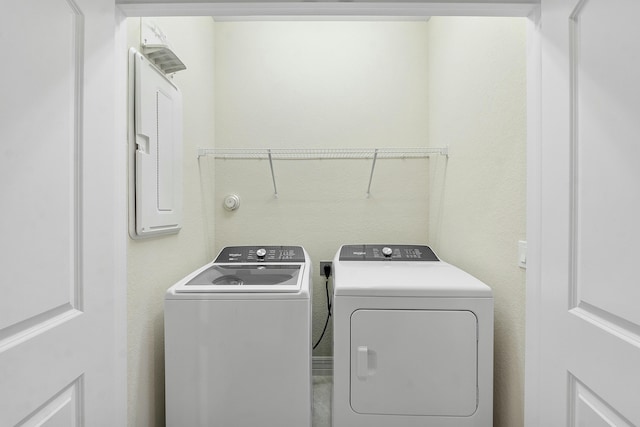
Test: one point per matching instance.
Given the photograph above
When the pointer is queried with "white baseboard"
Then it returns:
(322, 365)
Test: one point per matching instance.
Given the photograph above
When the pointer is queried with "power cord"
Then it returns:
(327, 273)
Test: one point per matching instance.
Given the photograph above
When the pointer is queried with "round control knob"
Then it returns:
(387, 251)
(261, 253)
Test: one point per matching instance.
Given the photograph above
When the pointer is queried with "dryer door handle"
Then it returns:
(362, 362)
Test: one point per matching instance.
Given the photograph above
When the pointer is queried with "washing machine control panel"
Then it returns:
(238, 254)
(387, 253)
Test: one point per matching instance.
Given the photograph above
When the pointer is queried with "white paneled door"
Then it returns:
(590, 294)
(60, 229)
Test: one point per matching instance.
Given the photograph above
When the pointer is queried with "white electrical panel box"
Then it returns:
(156, 151)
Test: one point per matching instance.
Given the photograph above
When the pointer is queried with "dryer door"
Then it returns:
(414, 362)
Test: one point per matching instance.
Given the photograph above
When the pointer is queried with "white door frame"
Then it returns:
(534, 224)
(526, 8)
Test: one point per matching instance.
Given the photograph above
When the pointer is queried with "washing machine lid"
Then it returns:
(406, 279)
(243, 278)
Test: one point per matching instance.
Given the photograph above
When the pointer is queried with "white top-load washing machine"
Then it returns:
(413, 340)
(238, 341)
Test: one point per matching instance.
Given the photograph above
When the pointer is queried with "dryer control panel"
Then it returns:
(387, 253)
(233, 254)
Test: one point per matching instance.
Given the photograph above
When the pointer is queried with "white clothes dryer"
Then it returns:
(238, 341)
(413, 340)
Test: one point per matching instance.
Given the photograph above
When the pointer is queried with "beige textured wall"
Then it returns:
(477, 107)
(321, 85)
(451, 81)
(155, 264)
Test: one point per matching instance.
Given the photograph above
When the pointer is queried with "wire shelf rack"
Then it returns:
(272, 154)
(321, 153)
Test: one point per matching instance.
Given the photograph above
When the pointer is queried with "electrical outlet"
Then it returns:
(322, 266)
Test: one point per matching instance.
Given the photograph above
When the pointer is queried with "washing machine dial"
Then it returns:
(387, 251)
(261, 253)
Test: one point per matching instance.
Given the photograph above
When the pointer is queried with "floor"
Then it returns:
(322, 386)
